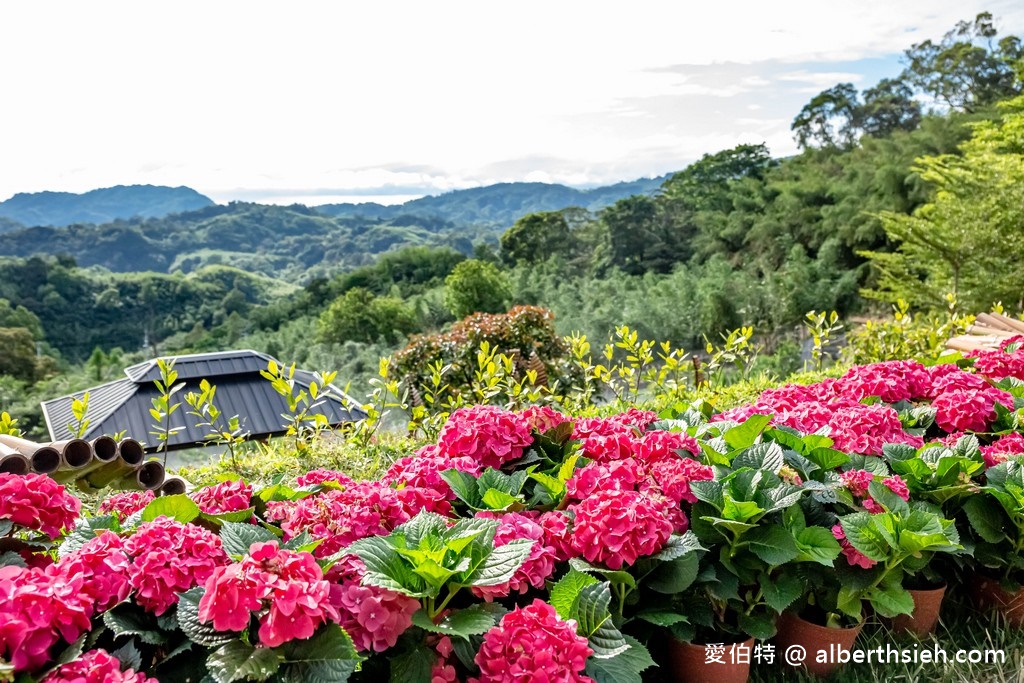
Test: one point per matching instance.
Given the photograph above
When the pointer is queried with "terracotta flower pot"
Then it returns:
(989, 595)
(695, 663)
(922, 621)
(819, 649)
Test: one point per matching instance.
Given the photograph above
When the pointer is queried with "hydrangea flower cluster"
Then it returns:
(322, 476)
(341, 516)
(168, 558)
(36, 612)
(103, 567)
(533, 644)
(1000, 364)
(1002, 448)
(37, 502)
(542, 418)
(538, 566)
(423, 470)
(287, 588)
(614, 528)
(660, 445)
(969, 410)
(126, 503)
(374, 617)
(227, 496)
(95, 666)
(489, 435)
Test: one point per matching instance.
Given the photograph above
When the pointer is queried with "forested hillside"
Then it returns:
(909, 189)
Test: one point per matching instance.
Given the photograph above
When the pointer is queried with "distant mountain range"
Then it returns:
(502, 204)
(58, 209)
(293, 243)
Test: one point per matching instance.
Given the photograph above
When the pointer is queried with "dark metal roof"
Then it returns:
(123, 405)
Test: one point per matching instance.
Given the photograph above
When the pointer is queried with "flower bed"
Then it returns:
(532, 546)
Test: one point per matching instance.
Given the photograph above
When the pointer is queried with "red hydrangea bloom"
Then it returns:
(95, 666)
(227, 496)
(321, 476)
(289, 585)
(620, 475)
(374, 617)
(854, 557)
(969, 410)
(423, 470)
(103, 567)
(37, 502)
(892, 381)
(634, 417)
(538, 566)
(609, 447)
(605, 426)
(557, 534)
(953, 378)
(340, 517)
(168, 558)
(865, 429)
(124, 505)
(857, 481)
(489, 435)
(1001, 449)
(673, 477)
(999, 364)
(661, 445)
(532, 644)
(542, 418)
(36, 612)
(614, 528)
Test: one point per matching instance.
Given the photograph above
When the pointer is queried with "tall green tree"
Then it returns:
(476, 287)
(969, 240)
(359, 315)
(536, 237)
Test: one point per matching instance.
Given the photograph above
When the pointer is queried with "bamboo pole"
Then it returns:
(44, 459)
(13, 462)
(149, 476)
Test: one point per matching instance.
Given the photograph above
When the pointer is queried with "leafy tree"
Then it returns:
(830, 119)
(887, 107)
(968, 240)
(359, 315)
(19, 316)
(964, 70)
(17, 353)
(536, 237)
(476, 287)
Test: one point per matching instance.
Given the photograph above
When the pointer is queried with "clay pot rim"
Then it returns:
(796, 615)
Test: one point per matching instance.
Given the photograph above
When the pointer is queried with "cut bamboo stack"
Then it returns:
(987, 333)
(92, 464)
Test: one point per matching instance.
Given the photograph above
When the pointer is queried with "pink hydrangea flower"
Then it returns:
(374, 617)
(227, 496)
(660, 445)
(865, 429)
(969, 410)
(609, 447)
(614, 528)
(489, 435)
(125, 504)
(557, 533)
(95, 666)
(37, 502)
(538, 566)
(423, 470)
(673, 478)
(999, 364)
(288, 585)
(625, 474)
(103, 567)
(854, 557)
(542, 418)
(36, 612)
(892, 381)
(857, 481)
(168, 558)
(340, 517)
(1004, 447)
(533, 644)
(322, 476)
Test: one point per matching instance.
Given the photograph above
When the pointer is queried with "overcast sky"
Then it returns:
(331, 101)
